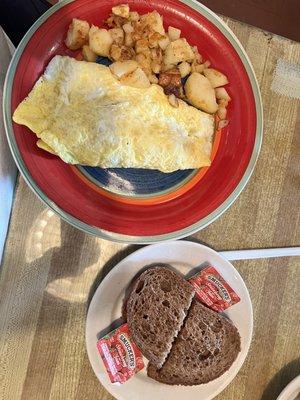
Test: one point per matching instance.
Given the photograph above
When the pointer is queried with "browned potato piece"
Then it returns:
(154, 39)
(137, 79)
(77, 34)
(163, 43)
(184, 68)
(134, 16)
(121, 53)
(88, 54)
(122, 68)
(144, 61)
(121, 11)
(157, 54)
(141, 45)
(129, 40)
(222, 112)
(154, 21)
(117, 35)
(100, 41)
(173, 33)
(198, 57)
(200, 93)
(221, 94)
(178, 51)
(215, 77)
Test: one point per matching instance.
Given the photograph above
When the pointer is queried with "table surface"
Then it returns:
(50, 269)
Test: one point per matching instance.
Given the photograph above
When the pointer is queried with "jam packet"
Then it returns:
(121, 356)
(212, 290)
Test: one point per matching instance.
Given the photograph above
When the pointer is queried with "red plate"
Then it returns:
(80, 204)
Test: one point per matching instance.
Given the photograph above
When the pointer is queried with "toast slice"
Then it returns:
(156, 308)
(205, 348)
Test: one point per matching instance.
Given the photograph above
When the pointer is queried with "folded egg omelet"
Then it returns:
(82, 113)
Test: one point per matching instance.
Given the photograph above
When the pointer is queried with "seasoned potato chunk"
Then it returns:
(200, 93)
(88, 54)
(121, 11)
(215, 77)
(173, 33)
(137, 79)
(117, 35)
(141, 45)
(178, 51)
(184, 69)
(154, 21)
(122, 68)
(100, 41)
(163, 43)
(121, 53)
(134, 16)
(77, 34)
(221, 94)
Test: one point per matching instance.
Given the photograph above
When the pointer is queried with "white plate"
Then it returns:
(106, 306)
(291, 390)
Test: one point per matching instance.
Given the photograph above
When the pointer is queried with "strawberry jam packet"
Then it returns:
(212, 290)
(121, 356)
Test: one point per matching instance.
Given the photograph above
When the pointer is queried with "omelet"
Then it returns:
(83, 114)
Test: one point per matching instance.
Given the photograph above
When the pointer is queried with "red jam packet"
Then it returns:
(212, 290)
(121, 356)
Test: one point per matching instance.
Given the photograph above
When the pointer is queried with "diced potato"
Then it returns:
(184, 68)
(173, 33)
(155, 21)
(129, 40)
(178, 51)
(77, 34)
(222, 94)
(154, 39)
(134, 16)
(215, 77)
(128, 28)
(141, 45)
(100, 41)
(117, 35)
(122, 68)
(195, 67)
(115, 52)
(155, 67)
(198, 56)
(200, 94)
(121, 53)
(88, 54)
(222, 102)
(156, 54)
(222, 112)
(122, 10)
(163, 43)
(144, 62)
(137, 79)
(222, 123)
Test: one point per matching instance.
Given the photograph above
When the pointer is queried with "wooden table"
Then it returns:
(50, 269)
